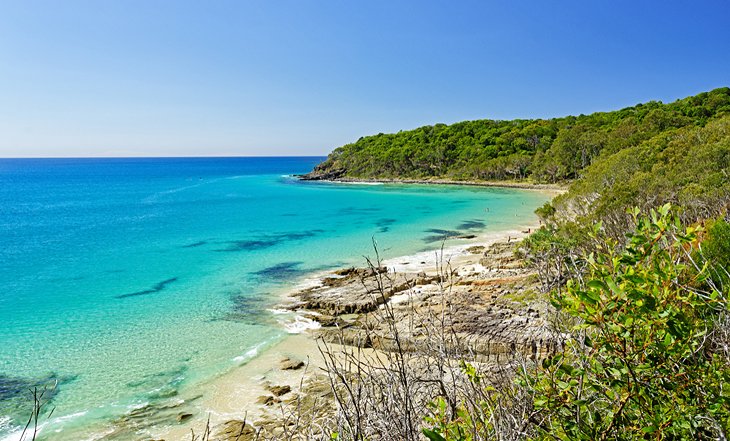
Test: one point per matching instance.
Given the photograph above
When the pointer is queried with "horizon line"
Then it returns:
(164, 157)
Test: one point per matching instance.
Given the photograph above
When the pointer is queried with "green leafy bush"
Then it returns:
(716, 249)
(639, 365)
(642, 360)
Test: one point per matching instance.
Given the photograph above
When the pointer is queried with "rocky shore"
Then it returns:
(484, 293)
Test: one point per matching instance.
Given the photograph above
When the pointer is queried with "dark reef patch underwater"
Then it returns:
(16, 394)
(195, 244)
(266, 241)
(155, 289)
(384, 224)
(439, 235)
(471, 225)
(282, 271)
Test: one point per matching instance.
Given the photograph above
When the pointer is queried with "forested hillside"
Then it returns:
(542, 150)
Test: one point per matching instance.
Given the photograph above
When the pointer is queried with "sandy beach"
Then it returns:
(246, 392)
(553, 188)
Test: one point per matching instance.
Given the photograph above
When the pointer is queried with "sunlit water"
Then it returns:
(125, 281)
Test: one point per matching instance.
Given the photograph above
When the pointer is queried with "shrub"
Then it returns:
(646, 356)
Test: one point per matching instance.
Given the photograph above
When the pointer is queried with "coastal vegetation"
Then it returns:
(633, 259)
(647, 350)
(542, 150)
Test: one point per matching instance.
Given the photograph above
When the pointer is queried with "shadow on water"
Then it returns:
(155, 289)
(384, 224)
(281, 271)
(195, 244)
(439, 235)
(288, 271)
(471, 225)
(266, 241)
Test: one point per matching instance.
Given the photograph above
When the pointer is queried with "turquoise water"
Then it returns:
(127, 280)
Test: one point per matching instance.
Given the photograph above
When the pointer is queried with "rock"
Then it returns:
(279, 390)
(357, 291)
(183, 417)
(345, 271)
(322, 174)
(326, 321)
(288, 364)
(236, 430)
(478, 249)
(268, 400)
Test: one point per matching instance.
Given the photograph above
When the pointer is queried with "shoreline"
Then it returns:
(557, 188)
(234, 392)
(240, 393)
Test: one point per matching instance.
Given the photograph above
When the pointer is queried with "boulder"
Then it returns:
(287, 364)
(279, 390)
(183, 417)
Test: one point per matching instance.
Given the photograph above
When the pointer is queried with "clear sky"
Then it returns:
(271, 77)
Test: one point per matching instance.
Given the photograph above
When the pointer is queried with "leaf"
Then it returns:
(614, 288)
(590, 297)
(433, 435)
(597, 284)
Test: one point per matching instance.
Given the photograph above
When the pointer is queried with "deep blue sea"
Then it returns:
(124, 281)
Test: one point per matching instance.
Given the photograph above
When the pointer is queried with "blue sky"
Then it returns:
(181, 78)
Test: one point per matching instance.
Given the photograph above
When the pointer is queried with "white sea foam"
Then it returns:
(251, 353)
(357, 183)
(70, 417)
(6, 423)
(300, 324)
(56, 425)
(248, 355)
(17, 436)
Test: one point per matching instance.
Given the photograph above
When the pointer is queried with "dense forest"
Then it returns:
(544, 150)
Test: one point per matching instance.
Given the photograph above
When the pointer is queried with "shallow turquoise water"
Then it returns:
(128, 279)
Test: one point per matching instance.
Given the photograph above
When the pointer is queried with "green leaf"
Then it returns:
(433, 435)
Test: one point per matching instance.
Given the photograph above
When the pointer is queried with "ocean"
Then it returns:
(125, 281)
